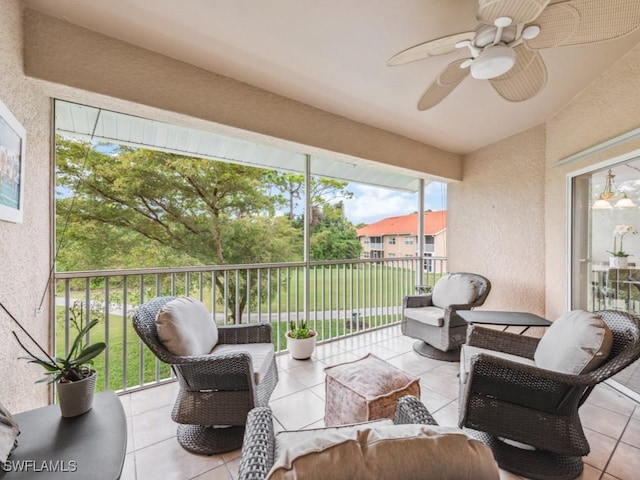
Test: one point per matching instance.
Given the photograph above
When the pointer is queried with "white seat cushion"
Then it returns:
(261, 356)
(373, 452)
(575, 343)
(185, 327)
(454, 289)
(428, 315)
(468, 352)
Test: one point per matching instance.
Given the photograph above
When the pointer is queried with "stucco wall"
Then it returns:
(66, 54)
(24, 248)
(496, 220)
(609, 107)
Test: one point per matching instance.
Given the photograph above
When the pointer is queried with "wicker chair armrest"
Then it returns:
(526, 385)
(215, 360)
(225, 371)
(417, 301)
(461, 306)
(506, 342)
(251, 333)
(258, 446)
(411, 410)
(520, 373)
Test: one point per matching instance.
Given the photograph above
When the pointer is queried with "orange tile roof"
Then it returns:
(434, 222)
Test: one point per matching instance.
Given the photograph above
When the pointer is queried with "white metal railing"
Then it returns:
(345, 297)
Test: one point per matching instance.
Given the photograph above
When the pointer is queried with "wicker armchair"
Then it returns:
(439, 329)
(258, 450)
(504, 399)
(215, 389)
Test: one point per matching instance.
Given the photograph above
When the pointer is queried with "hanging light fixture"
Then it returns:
(625, 202)
(608, 193)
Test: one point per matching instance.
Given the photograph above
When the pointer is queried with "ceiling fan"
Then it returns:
(504, 47)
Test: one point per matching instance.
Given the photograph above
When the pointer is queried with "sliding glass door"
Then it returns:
(605, 246)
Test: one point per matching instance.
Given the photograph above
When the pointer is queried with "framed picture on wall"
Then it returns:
(12, 158)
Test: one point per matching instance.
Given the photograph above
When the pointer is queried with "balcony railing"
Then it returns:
(340, 298)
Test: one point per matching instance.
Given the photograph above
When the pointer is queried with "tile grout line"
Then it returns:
(618, 441)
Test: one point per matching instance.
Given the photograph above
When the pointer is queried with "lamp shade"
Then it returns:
(601, 204)
(625, 202)
(493, 62)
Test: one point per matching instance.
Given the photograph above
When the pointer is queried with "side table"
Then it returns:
(506, 319)
(91, 446)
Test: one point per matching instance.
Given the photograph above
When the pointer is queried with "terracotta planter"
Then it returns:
(301, 348)
(76, 398)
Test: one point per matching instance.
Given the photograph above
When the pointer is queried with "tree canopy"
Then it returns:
(123, 207)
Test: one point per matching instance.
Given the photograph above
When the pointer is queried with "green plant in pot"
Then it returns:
(74, 377)
(301, 340)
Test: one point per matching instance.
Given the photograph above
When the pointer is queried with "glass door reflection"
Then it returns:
(605, 247)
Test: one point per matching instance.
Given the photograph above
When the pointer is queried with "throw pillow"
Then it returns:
(577, 342)
(453, 289)
(185, 327)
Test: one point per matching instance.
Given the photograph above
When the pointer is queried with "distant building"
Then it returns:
(397, 237)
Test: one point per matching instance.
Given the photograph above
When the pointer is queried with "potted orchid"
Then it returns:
(619, 258)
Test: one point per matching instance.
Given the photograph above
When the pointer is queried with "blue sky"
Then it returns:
(370, 204)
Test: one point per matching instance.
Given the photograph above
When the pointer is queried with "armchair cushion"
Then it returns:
(185, 327)
(454, 289)
(428, 315)
(577, 342)
(387, 452)
(261, 356)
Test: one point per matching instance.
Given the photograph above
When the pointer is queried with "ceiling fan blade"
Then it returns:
(443, 85)
(520, 11)
(439, 46)
(580, 22)
(525, 79)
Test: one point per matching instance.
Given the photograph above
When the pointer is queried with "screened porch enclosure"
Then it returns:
(337, 298)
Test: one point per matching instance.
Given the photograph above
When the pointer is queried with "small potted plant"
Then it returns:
(74, 377)
(619, 258)
(301, 340)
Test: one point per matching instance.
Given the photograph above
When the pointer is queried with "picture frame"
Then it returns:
(12, 166)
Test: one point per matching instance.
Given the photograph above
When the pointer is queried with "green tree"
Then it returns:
(171, 207)
(323, 191)
(333, 237)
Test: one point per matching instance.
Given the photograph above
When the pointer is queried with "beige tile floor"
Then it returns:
(611, 420)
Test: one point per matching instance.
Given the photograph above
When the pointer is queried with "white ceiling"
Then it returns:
(331, 54)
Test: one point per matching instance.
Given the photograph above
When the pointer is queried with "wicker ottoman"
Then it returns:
(365, 389)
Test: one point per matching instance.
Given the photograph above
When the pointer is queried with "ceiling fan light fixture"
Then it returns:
(531, 32)
(493, 62)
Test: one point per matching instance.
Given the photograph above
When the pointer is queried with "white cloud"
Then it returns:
(370, 204)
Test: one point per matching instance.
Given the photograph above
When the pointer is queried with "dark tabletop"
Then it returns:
(518, 319)
(91, 446)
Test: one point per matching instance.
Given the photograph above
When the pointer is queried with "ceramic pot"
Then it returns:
(76, 398)
(618, 262)
(301, 348)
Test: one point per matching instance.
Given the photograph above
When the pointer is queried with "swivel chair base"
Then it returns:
(209, 439)
(533, 464)
(427, 350)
